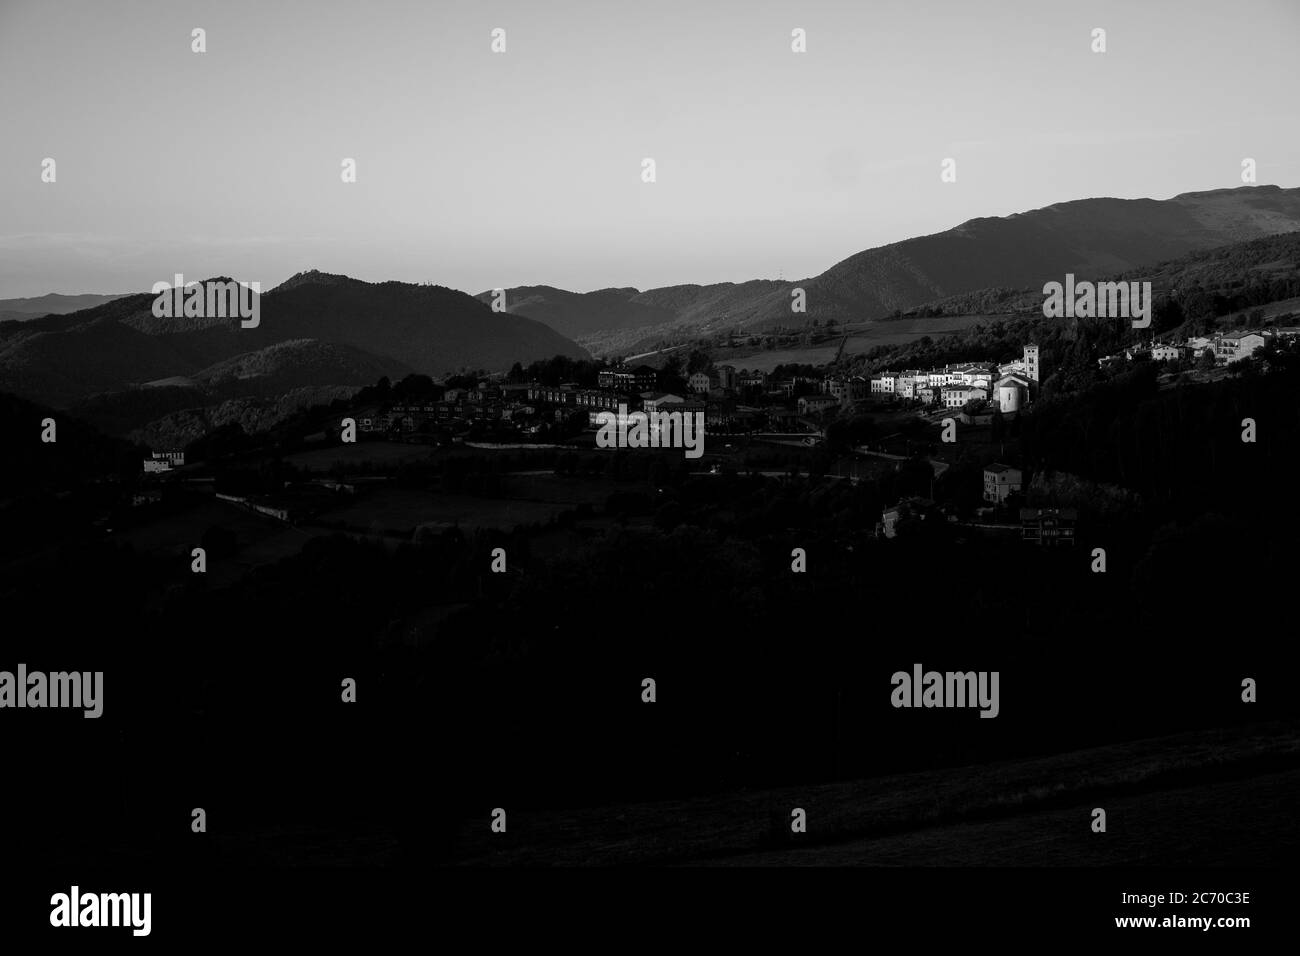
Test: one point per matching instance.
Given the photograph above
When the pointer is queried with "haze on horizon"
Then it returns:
(479, 170)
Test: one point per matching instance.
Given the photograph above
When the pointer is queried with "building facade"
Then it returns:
(1000, 482)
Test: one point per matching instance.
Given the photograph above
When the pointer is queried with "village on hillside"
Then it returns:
(858, 425)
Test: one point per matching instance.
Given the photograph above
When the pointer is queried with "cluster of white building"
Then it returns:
(161, 461)
(1227, 347)
(1007, 386)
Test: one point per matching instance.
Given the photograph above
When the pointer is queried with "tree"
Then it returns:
(1169, 314)
(670, 376)
(698, 361)
(1206, 362)
(999, 426)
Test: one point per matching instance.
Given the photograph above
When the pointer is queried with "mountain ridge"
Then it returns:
(1095, 236)
(62, 359)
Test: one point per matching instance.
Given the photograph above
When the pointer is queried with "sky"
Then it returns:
(479, 170)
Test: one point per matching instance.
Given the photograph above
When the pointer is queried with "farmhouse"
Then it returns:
(1237, 346)
(816, 403)
(1000, 482)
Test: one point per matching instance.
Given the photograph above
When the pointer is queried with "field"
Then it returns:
(1227, 786)
(893, 332)
(400, 511)
(259, 539)
(532, 498)
(176, 534)
(353, 455)
(1281, 307)
(1233, 788)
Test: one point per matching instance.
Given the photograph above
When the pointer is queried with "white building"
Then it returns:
(955, 396)
(1000, 482)
(1027, 367)
(1237, 346)
(1012, 391)
(654, 401)
(1031, 363)
(816, 403)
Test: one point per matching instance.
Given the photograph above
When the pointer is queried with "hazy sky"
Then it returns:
(478, 170)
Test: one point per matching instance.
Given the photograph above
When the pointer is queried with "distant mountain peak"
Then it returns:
(1228, 191)
(312, 277)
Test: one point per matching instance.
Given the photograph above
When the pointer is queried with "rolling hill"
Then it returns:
(20, 310)
(280, 377)
(296, 363)
(389, 327)
(576, 313)
(1088, 237)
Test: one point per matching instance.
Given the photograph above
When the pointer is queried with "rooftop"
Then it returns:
(1033, 514)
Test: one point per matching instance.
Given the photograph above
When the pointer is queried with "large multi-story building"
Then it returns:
(1236, 346)
(1048, 526)
(624, 378)
(161, 461)
(1000, 482)
(957, 395)
(655, 401)
(906, 508)
(856, 389)
(816, 403)
(551, 394)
